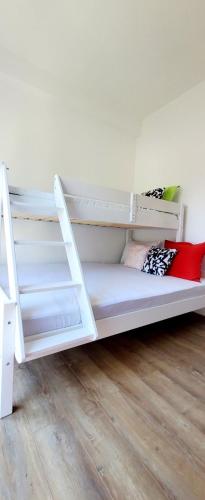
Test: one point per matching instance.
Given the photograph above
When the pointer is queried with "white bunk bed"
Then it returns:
(81, 302)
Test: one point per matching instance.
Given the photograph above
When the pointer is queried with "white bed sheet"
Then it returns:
(113, 289)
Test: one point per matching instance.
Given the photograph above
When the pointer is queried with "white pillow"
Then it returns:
(149, 244)
(136, 255)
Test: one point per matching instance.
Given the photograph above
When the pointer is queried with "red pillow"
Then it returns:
(187, 262)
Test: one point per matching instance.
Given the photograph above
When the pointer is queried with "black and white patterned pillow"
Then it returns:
(158, 260)
(155, 193)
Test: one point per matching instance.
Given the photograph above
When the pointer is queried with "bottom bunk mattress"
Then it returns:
(113, 289)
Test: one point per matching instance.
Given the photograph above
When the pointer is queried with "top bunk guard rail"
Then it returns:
(95, 205)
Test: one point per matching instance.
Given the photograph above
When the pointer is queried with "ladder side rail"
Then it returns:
(2, 166)
(1, 214)
(11, 265)
(87, 316)
(7, 347)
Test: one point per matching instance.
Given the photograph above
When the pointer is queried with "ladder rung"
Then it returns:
(42, 243)
(43, 344)
(48, 287)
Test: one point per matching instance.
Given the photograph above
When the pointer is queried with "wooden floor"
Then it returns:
(123, 418)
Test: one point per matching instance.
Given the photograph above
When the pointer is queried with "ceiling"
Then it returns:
(121, 58)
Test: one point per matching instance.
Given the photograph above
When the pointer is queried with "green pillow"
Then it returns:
(170, 192)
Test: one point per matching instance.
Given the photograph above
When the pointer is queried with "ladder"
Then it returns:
(42, 344)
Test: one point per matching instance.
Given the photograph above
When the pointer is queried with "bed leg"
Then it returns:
(7, 346)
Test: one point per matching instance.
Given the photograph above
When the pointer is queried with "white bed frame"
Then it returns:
(73, 202)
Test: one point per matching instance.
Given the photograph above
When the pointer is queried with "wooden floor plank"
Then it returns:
(68, 470)
(104, 445)
(155, 429)
(176, 426)
(176, 369)
(123, 418)
(25, 478)
(130, 353)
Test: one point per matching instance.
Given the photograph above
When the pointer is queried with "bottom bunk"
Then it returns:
(122, 299)
(117, 293)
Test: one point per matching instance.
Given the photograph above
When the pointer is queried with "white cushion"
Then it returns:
(132, 243)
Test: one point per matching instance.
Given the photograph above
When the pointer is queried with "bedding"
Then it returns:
(188, 261)
(158, 261)
(131, 243)
(113, 289)
(155, 193)
(136, 255)
(170, 193)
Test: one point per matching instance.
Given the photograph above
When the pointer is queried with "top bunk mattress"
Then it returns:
(113, 289)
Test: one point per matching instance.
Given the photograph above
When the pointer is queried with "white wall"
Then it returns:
(171, 150)
(41, 136)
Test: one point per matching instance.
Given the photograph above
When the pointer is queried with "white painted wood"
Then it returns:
(115, 197)
(90, 204)
(31, 193)
(11, 264)
(129, 235)
(78, 189)
(7, 347)
(155, 219)
(130, 321)
(20, 201)
(98, 211)
(1, 214)
(147, 202)
(180, 229)
(4, 297)
(42, 243)
(48, 287)
(43, 344)
(40, 345)
(29, 206)
(88, 323)
(87, 317)
(132, 213)
(31, 203)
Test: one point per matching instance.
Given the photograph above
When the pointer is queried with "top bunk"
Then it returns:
(98, 206)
